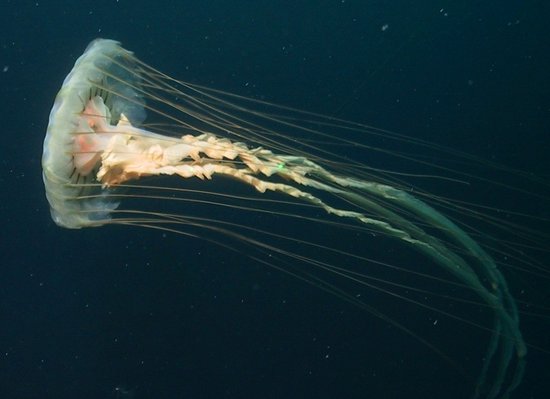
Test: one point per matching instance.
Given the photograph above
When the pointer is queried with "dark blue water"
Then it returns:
(125, 313)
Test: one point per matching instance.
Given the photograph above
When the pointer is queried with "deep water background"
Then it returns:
(126, 313)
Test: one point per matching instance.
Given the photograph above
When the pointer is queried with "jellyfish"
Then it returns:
(119, 128)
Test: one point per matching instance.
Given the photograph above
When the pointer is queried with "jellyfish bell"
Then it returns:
(100, 144)
(71, 148)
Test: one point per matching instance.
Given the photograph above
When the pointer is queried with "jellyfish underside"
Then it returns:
(97, 144)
